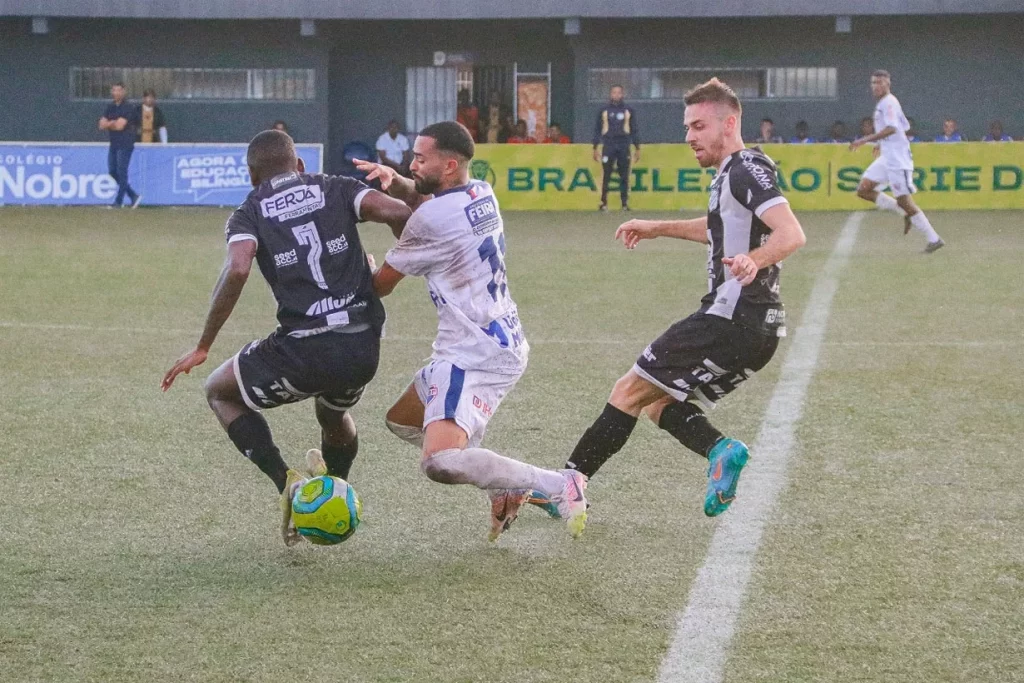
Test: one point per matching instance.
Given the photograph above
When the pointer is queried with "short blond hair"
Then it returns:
(714, 92)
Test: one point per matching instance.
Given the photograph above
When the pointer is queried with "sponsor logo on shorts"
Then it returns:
(775, 315)
(649, 355)
(287, 258)
(293, 202)
(483, 215)
(482, 406)
(431, 393)
(336, 246)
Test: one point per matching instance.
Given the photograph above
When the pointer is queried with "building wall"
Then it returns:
(37, 101)
(967, 67)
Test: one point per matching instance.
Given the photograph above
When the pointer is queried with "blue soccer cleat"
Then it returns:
(725, 462)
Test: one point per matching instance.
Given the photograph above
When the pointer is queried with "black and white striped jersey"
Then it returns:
(743, 189)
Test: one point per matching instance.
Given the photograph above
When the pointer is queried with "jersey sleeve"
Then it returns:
(241, 225)
(349, 192)
(417, 251)
(892, 113)
(754, 185)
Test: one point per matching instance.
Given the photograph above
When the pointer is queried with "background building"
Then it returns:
(338, 72)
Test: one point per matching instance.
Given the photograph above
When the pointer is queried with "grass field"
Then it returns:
(138, 545)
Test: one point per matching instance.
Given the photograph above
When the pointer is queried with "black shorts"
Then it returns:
(333, 366)
(704, 356)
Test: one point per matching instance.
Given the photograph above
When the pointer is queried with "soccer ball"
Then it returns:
(326, 510)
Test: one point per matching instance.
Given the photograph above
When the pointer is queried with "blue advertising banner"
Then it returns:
(173, 174)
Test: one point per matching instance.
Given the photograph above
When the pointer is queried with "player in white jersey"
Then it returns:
(893, 164)
(455, 239)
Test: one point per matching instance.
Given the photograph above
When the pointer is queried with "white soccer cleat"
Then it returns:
(572, 504)
(315, 465)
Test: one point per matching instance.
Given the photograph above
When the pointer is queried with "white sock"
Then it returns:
(921, 222)
(887, 203)
(413, 435)
(487, 470)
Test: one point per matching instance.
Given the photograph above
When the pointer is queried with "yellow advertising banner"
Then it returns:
(821, 177)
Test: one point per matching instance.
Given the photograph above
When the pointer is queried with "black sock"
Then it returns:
(605, 438)
(688, 423)
(251, 435)
(339, 458)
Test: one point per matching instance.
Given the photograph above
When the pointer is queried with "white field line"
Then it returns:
(700, 644)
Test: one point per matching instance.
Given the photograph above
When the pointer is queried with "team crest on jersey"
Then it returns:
(293, 202)
(713, 199)
(431, 393)
(483, 215)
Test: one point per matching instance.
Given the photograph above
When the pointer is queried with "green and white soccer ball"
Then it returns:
(326, 510)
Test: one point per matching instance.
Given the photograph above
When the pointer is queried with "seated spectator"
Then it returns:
(949, 132)
(912, 131)
(280, 125)
(768, 134)
(555, 135)
(508, 128)
(803, 134)
(521, 136)
(867, 126)
(393, 149)
(468, 115)
(996, 134)
(838, 133)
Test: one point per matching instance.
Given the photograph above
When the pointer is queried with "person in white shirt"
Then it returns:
(393, 149)
(893, 165)
(455, 239)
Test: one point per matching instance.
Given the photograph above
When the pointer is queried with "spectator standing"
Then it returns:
(120, 120)
(491, 127)
(555, 135)
(803, 134)
(508, 127)
(281, 126)
(468, 115)
(616, 129)
(949, 132)
(393, 149)
(996, 134)
(152, 126)
(521, 135)
(768, 134)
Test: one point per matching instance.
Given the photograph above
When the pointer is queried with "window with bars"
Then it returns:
(670, 84)
(431, 95)
(186, 84)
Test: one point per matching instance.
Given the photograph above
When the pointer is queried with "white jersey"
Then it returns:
(457, 242)
(896, 147)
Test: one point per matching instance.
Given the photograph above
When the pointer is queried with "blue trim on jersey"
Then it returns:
(453, 190)
(451, 399)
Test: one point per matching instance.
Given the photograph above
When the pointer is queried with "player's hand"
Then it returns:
(631, 232)
(856, 143)
(636, 157)
(876, 151)
(743, 268)
(597, 156)
(371, 261)
(374, 171)
(196, 356)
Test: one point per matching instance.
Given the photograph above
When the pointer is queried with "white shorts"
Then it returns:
(899, 180)
(470, 397)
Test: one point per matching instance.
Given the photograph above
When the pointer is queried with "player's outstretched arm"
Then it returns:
(225, 296)
(399, 187)
(787, 236)
(385, 279)
(631, 232)
(380, 208)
